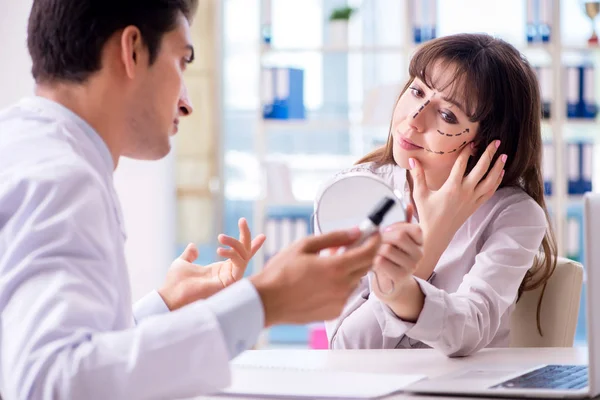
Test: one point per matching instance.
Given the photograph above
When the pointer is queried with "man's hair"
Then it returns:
(66, 37)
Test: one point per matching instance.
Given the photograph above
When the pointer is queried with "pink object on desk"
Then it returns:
(318, 337)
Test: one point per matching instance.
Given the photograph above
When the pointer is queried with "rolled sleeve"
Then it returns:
(240, 314)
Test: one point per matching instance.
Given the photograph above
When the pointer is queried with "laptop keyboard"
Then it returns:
(567, 377)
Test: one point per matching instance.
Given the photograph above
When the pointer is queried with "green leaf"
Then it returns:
(342, 13)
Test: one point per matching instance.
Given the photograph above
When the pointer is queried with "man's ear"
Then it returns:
(132, 49)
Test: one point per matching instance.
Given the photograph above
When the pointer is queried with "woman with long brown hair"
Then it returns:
(465, 148)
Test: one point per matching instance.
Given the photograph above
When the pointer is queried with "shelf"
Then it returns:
(340, 123)
(580, 48)
(574, 129)
(537, 46)
(317, 162)
(334, 49)
(547, 47)
(586, 122)
(308, 124)
(571, 198)
(194, 191)
(320, 124)
(583, 122)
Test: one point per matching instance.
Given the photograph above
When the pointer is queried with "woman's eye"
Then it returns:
(416, 92)
(449, 118)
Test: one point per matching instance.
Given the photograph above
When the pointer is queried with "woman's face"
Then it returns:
(429, 126)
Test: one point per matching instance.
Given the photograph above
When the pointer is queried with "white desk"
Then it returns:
(419, 361)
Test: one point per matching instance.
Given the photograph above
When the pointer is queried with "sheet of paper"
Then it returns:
(256, 381)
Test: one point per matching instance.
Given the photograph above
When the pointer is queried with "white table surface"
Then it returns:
(406, 361)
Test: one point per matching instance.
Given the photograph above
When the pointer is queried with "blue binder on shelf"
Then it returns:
(545, 23)
(573, 91)
(544, 76)
(573, 162)
(548, 167)
(588, 106)
(579, 161)
(283, 93)
(586, 158)
(539, 20)
(425, 20)
(580, 87)
(531, 28)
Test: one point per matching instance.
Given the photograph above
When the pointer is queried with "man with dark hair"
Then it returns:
(109, 84)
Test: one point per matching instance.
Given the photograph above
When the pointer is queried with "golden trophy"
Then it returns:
(592, 9)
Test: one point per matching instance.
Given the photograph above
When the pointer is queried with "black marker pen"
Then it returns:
(369, 226)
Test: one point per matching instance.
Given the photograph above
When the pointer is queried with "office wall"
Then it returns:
(147, 193)
(146, 189)
(15, 79)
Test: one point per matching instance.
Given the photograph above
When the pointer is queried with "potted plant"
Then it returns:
(338, 25)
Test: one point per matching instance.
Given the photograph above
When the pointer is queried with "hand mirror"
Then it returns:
(346, 200)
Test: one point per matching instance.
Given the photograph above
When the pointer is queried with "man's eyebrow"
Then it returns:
(191, 49)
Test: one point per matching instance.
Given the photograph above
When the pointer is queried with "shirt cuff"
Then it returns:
(240, 314)
(430, 323)
(150, 304)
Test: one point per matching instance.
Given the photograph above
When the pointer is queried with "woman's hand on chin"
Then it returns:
(442, 212)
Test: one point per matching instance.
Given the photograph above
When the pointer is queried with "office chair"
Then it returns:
(559, 312)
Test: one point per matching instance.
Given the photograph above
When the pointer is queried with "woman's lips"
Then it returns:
(407, 144)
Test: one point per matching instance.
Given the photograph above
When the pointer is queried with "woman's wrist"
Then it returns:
(408, 301)
(435, 242)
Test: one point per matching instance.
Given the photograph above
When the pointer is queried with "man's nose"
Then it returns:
(185, 104)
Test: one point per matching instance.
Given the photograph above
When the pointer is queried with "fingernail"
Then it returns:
(354, 233)
(497, 143)
(472, 145)
(502, 174)
(503, 158)
(411, 162)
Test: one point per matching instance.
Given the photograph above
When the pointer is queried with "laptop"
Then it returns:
(542, 381)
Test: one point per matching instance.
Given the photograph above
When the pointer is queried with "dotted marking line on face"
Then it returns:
(422, 107)
(452, 135)
(442, 153)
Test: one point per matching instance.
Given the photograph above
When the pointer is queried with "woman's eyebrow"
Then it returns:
(446, 99)
(454, 102)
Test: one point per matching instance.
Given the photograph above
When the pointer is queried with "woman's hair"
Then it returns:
(500, 91)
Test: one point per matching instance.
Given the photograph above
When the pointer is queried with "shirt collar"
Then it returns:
(42, 103)
(45, 106)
